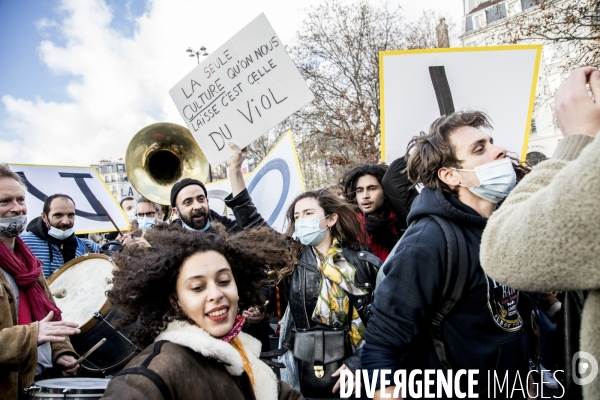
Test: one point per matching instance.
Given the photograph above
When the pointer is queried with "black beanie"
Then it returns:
(183, 183)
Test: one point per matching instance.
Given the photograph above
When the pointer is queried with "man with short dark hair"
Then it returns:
(189, 200)
(465, 175)
(128, 206)
(363, 186)
(32, 335)
(51, 236)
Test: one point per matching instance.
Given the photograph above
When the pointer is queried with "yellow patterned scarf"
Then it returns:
(336, 281)
(237, 344)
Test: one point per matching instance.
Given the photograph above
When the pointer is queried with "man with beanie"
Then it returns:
(51, 236)
(189, 200)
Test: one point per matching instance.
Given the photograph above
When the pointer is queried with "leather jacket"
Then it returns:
(304, 290)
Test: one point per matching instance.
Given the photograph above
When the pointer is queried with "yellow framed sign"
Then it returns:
(417, 86)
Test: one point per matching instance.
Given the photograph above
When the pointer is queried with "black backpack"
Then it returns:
(457, 273)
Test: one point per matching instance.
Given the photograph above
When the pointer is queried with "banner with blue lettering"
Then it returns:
(273, 185)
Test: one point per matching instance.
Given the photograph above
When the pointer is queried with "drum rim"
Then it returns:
(39, 388)
(106, 306)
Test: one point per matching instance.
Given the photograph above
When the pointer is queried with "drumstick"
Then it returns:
(60, 293)
(90, 351)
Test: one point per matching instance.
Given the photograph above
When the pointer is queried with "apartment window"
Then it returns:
(112, 178)
(120, 177)
(120, 167)
(106, 178)
(513, 7)
(479, 20)
(109, 168)
(471, 43)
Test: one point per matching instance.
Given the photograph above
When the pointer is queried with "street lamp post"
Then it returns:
(201, 52)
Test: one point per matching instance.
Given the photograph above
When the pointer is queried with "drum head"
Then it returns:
(68, 387)
(79, 287)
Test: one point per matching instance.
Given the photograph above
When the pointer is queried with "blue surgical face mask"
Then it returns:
(189, 228)
(496, 180)
(308, 231)
(145, 223)
(60, 234)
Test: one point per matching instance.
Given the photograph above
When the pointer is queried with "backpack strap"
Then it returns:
(456, 278)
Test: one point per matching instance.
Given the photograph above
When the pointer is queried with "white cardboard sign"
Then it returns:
(273, 185)
(83, 184)
(499, 80)
(240, 91)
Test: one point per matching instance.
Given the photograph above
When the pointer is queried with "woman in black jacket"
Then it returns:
(330, 286)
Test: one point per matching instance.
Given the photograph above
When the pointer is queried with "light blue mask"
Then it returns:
(60, 234)
(189, 228)
(309, 233)
(496, 180)
(145, 223)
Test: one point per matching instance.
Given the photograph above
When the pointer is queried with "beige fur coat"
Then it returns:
(546, 235)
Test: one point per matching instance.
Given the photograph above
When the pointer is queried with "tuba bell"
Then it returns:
(160, 155)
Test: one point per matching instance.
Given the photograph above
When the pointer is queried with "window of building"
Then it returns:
(109, 168)
(513, 7)
(479, 20)
(112, 178)
(120, 177)
(471, 42)
(120, 167)
(106, 178)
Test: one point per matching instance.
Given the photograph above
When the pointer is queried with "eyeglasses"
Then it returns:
(149, 214)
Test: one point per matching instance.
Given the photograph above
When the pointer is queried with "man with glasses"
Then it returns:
(148, 213)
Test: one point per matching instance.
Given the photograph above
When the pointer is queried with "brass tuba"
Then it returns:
(160, 155)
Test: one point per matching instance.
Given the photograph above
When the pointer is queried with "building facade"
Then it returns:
(115, 177)
(489, 23)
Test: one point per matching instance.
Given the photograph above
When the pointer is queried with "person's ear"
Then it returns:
(449, 176)
(175, 211)
(332, 220)
(44, 218)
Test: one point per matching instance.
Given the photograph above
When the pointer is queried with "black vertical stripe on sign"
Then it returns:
(442, 90)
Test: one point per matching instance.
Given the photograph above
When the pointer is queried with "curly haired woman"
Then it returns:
(186, 291)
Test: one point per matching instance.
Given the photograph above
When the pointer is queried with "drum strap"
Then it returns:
(148, 373)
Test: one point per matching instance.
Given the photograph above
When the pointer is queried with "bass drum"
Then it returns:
(68, 388)
(79, 288)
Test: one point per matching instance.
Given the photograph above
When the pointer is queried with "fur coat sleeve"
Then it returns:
(546, 235)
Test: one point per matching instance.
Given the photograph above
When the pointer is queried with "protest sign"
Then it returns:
(240, 91)
(273, 185)
(84, 185)
(417, 86)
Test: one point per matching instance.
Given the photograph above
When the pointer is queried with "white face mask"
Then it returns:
(131, 215)
(496, 180)
(13, 226)
(60, 234)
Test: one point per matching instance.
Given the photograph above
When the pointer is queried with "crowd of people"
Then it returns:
(457, 256)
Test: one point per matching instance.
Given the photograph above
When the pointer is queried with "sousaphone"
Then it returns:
(160, 155)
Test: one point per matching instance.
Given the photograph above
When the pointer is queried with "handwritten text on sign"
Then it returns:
(240, 91)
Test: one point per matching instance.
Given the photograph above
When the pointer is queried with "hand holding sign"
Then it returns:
(242, 90)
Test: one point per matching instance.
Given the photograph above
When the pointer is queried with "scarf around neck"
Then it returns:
(234, 341)
(25, 269)
(337, 279)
